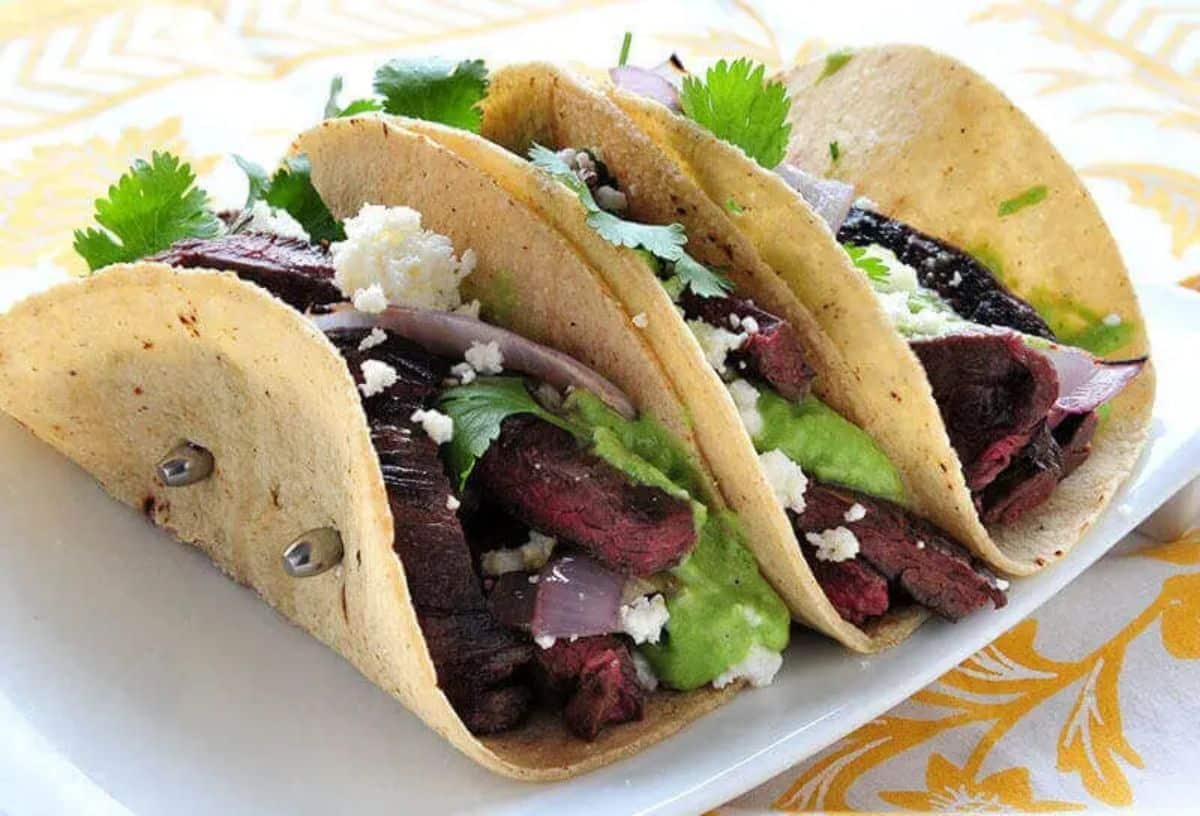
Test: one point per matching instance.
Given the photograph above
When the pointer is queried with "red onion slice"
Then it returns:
(450, 335)
(577, 597)
(646, 82)
(830, 198)
(1086, 382)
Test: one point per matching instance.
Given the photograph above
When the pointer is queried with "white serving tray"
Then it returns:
(135, 678)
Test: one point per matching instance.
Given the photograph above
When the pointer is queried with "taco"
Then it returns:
(484, 495)
(829, 515)
(989, 256)
(942, 161)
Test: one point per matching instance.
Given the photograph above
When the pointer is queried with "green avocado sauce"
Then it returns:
(721, 606)
(826, 446)
(1076, 325)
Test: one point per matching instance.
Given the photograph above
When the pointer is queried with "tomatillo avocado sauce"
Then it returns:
(721, 608)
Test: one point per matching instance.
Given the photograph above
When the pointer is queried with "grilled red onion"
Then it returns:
(830, 198)
(646, 82)
(576, 596)
(1086, 382)
(450, 335)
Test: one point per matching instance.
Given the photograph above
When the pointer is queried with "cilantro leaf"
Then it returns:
(732, 206)
(835, 61)
(257, 178)
(291, 189)
(835, 152)
(545, 159)
(873, 267)
(704, 282)
(478, 409)
(664, 242)
(660, 242)
(434, 89)
(1034, 195)
(360, 106)
(153, 205)
(741, 107)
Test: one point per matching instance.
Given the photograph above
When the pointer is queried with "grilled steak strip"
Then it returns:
(915, 556)
(598, 675)
(773, 354)
(538, 473)
(1074, 435)
(993, 391)
(967, 285)
(1027, 482)
(475, 657)
(295, 271)
(856, 589)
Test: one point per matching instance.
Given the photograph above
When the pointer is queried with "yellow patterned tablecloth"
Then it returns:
(1089, 704)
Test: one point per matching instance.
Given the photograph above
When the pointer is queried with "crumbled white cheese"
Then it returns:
(437, 425)
(371, 300)
(786, 478)
(646, 677)
(548, 396)
(486, 358)
(644, 619)
(470, 308)
(532, 555)
(377, 377)
(838, 544)
(1112, 320)
(914, 310)
(749, 325)
(745, 397)
(856, 512)
(759, 667)
(956, 279)
(640, 320)
(463, 372)
(452, 503)
(715, 342)
(265, 218)
(610, 199)
(920, 545)
(545, 641)
(377, 337)
(1002, 585)
(412, 266)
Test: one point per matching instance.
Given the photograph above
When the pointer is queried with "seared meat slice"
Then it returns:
(967, 285)
(599, 676)
(772, 354)
(475, 656)
(295, 271)
(911, 553)
(542, 476)
(1026, 483)
(855, 588)
(1074, 435)
(993, 391)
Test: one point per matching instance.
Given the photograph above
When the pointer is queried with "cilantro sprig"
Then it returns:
(739, 105)
(434, 89)
(872, 267)
(334, 109)
(290, 188)
(478, 409)
(664, 242)
(153, 205)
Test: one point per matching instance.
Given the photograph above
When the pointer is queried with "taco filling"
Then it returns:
(554, 551)
(840, 492)
(1019, 407)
